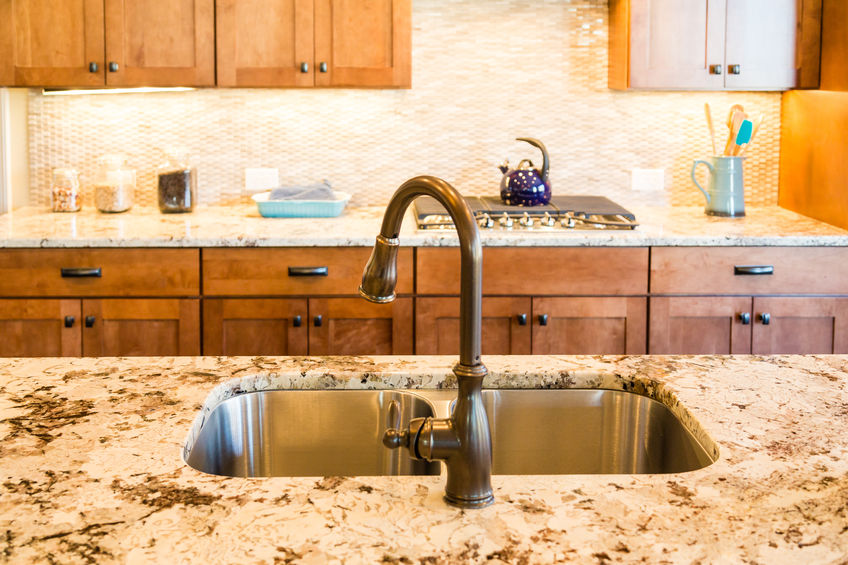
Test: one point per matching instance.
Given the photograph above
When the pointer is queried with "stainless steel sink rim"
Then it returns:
(630, 457)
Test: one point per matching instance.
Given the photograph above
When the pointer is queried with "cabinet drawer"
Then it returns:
(722, 270)
(99, 272)
(293, 271)
(540, 270)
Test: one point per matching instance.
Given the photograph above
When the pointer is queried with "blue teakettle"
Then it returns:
(526, 186)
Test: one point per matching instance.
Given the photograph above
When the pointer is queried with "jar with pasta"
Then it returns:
(65, 194)
(114, 185)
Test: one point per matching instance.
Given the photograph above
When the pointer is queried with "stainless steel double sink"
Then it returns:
(534, 432)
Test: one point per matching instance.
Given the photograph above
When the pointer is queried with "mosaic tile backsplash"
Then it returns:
(484, 73)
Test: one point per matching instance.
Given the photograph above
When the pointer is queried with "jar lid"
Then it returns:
(112, 161)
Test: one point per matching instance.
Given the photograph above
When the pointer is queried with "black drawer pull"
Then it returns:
(745, 318)
(317, 321)
(89, 321)
(522, 319)
(765, 318)
(81, 272)
(753, 270)
(297, 321)
(69, 321)
(308, 271)
(543, 319)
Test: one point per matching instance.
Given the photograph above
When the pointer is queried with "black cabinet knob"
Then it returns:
(93, 67)
(522, 319)
(765, 318)
(543, 319)
(735, 69)
(317, 321)
(322, 67)
(113, 67)
(745, 318)
(297, 321)
(304, 67)
(89, 321)
(715, 69)
(69, 321)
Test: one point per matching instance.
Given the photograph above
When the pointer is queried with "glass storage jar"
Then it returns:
(177, 182)
(65, 192)
(114, 185)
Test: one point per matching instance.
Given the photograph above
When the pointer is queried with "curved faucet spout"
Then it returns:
(461, 441)
(378, 281)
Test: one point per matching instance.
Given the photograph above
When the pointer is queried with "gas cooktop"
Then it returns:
(562, 213)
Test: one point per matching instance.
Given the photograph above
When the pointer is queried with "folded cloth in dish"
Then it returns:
(317, 191)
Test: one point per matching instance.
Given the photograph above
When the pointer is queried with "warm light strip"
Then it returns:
(139, 90)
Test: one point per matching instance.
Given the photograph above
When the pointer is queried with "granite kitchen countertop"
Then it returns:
(91, 469)
(241, 226)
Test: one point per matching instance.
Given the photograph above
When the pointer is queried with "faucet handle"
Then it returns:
(394, 437)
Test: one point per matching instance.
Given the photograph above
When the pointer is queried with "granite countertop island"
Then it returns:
(241, 226)
(91, 469)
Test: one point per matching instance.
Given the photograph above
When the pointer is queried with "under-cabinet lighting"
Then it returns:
(138, 90)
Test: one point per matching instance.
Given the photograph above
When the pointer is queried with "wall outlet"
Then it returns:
(647, 180)
(260, 179)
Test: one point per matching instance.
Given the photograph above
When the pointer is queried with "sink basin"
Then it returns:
(534, 432)
(580, 431)
(305, 433)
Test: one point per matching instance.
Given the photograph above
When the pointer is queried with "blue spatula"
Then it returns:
(743, 136)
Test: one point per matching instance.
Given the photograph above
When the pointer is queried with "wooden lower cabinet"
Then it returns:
(255, 326)
(140, 326)
(40, 327)
(743, 325)
(353, 326)
(505, 331)
(589, 325)
(700, 325)
(800, 325)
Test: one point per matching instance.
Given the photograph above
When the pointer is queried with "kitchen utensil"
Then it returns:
(757, 124)
(743, 136)
(736, 121)
(725, 192)
(710, 125)
(301, 208)
(526, 186)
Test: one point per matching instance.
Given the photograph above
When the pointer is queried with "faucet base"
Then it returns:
(469, 503)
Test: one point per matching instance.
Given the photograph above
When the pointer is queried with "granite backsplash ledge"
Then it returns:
(477, 84)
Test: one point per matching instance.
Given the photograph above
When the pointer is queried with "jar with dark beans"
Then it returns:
(177, 184)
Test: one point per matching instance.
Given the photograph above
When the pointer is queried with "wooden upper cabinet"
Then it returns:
(715, 44)
(314, 43)
(154, 43)
(51, 43)
(265, 42)
(363, 42)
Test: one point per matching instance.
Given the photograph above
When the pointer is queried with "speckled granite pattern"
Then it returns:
(241, 226)
(91, 469)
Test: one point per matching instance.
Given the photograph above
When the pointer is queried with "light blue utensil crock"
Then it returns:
(725, 192)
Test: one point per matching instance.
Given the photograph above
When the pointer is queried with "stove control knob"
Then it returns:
(547, 220)
(505, 220)
(526, 220)
(568, 222)
(486, 221)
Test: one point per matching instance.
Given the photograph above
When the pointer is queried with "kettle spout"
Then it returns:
(504, 167)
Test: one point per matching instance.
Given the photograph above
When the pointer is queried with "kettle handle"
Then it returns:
(541, 146)
(712, 171)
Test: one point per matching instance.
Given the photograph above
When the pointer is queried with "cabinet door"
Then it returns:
(254, 326)
(40, 328)
(51, 43)
(589, 325)
(352, 326)
(704, 325)
(265, 42)
(800, 325)
(363, 42)
(140, 326)
(152, 43)
(676, 43)
(761, 44)
(506, 328)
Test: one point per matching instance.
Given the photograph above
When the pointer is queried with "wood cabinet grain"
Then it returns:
(255, 326)
(353, 326)
(39, 327)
